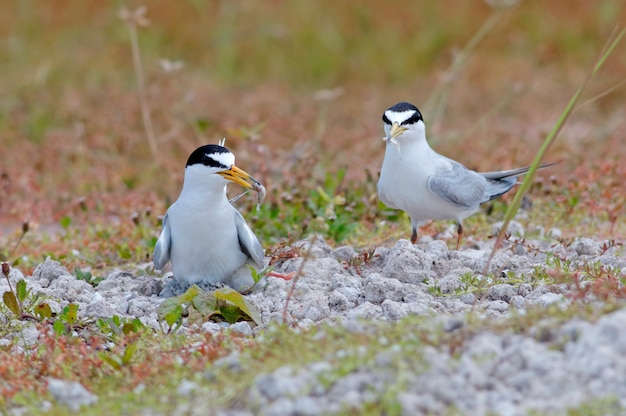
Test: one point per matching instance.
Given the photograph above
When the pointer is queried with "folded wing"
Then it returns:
(249, 243)
(163, 245)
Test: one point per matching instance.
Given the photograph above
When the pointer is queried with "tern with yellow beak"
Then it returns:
(204, 236)
(427, 185)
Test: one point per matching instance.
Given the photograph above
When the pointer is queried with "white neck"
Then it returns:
(203, 187)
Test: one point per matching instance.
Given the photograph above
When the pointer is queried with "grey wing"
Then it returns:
(460, 186)
(248, 241)
(162, 248)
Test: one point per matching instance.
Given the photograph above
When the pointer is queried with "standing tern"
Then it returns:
(206, 239)
(427, 185)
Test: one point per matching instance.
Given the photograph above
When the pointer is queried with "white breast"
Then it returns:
(205, 244)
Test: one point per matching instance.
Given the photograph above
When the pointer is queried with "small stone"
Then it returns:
(150, 286)
(282, 406)
(343, 253)
(315, 308)
(211, 327)
(242, 328)
(339, 280)
(551, 298)
(70, 393)
(394, 311)
(501, 292)
(49, 270)
(307, 406)
(101, 310)
(407, 263)
(337, 301)
(525, 289)
(321, 269)
(586, 247)
(498, 305)
(468, 298)
(449, 283)
(365, 310)
(29, 335)
(281, 383)
(438, 249)
(376, 288)
(352, 294)
(517, 301)
(186, 388)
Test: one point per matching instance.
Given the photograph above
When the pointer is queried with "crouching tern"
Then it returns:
(206, 239)
(427, 185)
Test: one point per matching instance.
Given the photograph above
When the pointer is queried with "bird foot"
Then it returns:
(287, 276)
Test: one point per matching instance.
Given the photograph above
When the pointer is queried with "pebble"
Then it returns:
(70, 393)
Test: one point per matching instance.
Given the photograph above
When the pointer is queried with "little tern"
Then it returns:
(204, 236)
(427, 185)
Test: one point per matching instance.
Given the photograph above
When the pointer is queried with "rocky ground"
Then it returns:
(505, 373)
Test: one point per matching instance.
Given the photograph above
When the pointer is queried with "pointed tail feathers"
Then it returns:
(503, 174)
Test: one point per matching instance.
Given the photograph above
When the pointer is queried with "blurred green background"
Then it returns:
(298, 89)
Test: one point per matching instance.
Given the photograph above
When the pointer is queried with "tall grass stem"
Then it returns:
(610, 45)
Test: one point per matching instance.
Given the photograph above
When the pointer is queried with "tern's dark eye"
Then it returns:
(413, 119)
(385, 119)
(210, 162)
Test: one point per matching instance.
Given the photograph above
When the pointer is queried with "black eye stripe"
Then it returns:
(202, 155)
(385, 119)
(413, 119)
(212, 163)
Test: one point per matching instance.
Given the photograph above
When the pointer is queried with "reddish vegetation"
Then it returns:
(79, 358)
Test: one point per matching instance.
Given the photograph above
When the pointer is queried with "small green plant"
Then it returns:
(115, 326)
(21, 301)
(13, 299)
(257, 276)
(87, 277)
(198, 306)
(333, 213)
(66, 320)
(118, 361)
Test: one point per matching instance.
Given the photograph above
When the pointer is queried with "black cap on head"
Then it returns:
(202, 155)
(402, 107)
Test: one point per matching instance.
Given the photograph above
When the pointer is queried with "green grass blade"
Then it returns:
(528, 179)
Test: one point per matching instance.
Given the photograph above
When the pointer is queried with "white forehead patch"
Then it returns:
(399, 116)
(227, 159)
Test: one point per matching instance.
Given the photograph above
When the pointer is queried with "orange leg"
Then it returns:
(459, 231)
(283, 276)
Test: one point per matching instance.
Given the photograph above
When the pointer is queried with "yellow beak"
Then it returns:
(240, 176)
(396, 130)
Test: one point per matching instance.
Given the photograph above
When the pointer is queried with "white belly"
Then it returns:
(204, 244)
(404, 185)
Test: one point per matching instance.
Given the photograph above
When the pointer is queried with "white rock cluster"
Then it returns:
(507, 374)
